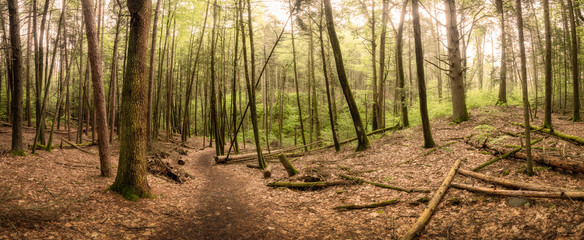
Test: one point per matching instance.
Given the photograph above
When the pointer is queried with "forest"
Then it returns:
(291, 119)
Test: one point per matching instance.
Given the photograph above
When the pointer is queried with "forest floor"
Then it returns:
(60, 195)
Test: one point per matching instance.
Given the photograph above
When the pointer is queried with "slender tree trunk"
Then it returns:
(190, 85)
(114, 79)
(375, 118)
(17, 147)
(574, 58)
(363, 142)
(326, 80)
(400, 67)
(250, 87)
(234, 85)
(131, 180)
(28, 50)
(219, 146)
(503, 74)
(459, 112)
(524, 86)
(296, 83)
(98, 90)
(151, 73)
(381, 92)
(428, 141)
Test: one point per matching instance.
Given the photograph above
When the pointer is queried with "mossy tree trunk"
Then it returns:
(363, 142)
(131, 179)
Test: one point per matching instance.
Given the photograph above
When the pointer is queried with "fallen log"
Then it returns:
(249, 165)
(288, 166)
(567, 137)
(274, 154)
(157, 166)
(438, 147)
(371, 205)
(574, 166)
(519, 193)
(423, 219)
(250, 156)
(511, 184)
(494, 160)
(268, 171)
(77, 147)
(307, 185)
(381, 185)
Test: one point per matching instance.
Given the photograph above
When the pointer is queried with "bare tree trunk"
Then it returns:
(574, 58)
(326, 80)
(524, 86)
(98, 90)
(363, 142)
(459, 112)
(428, 141)
(400, 67)
(219, 146)
(151, 73)
(503, 74)
(114, 78)
(17, 147)
(381, 92)
(234, 85)
(131, 180)
(296, 83)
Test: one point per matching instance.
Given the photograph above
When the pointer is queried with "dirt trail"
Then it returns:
(224, 209)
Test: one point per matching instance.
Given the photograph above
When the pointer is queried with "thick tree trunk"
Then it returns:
(131, 179)
(17, 147)
(428, 140)
(360, 131)
(98, 90)
(459, 112)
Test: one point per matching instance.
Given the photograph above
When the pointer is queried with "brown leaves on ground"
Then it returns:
(232, 201)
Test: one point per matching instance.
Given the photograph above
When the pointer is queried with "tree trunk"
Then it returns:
(574, 58)
(131, 180)
(524, 86)
(214, 116)
(363, 142)
(326, 81)
(400, 67)
(300, 119)
(17, 147)
(503, 74)
(250, 87)
(381, 92)
(151, 73)
(459, 112)
(98, 90)
(428, 141)
(114, 79)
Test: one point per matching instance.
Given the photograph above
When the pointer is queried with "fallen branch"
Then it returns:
(381, 185)
(250, 156)
(567, 137)
(288, 166)
(494, 160)
(307, 185)
(574, 166)
(371, 205)
(77, 147)
(511, 184)
(520, 193)
(268, 171)
(423, 219)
